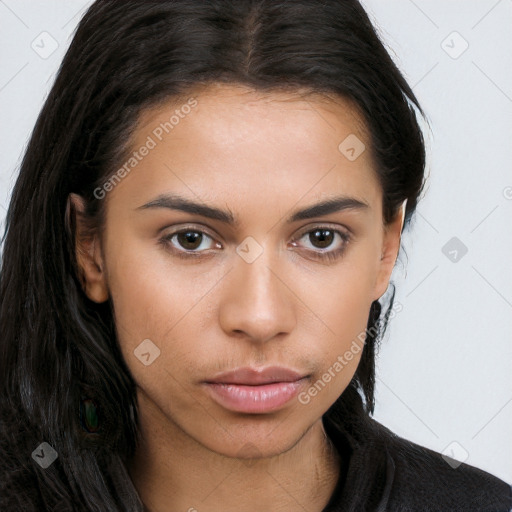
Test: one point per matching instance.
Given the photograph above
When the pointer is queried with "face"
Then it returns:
(220, 266)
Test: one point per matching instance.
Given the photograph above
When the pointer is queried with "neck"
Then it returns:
(173, 472)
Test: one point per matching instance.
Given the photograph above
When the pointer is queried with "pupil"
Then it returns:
(323, 236)
(190, 239)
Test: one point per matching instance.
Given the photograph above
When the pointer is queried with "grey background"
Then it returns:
(446, 361)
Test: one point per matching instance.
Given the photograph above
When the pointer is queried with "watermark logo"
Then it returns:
(44, 455)
(454, 250)
(249, 250)
(352, 147)
(146, 352)
(455, 454)
(249, 453)
(44, 45)
(454, 45)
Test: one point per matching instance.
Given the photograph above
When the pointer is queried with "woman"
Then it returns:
(197, 248)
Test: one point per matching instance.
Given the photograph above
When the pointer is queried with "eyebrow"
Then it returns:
(176, 202)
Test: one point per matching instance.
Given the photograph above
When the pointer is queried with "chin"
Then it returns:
(254, 439)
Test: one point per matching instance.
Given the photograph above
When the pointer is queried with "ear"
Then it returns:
(87, 252)
(390, 249)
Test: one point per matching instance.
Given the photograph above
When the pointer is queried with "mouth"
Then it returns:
(248, 390)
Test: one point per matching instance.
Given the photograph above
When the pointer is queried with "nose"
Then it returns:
(257, 302)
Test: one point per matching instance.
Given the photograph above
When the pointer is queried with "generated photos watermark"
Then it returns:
(344, 359)
(152, 141)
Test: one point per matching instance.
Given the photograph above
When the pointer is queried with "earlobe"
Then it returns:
(88, 253)
(93, 275)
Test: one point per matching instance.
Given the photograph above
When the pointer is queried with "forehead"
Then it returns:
(233, 142)
(249, 107)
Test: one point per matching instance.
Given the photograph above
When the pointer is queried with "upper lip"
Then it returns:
(254, 377)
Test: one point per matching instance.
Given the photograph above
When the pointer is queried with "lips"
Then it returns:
(248, 390)
(253, 377)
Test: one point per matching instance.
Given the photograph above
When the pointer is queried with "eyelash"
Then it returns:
(329, 256)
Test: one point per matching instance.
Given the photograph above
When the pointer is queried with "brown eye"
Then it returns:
(321, 238)
(323, 243)
(189, 240)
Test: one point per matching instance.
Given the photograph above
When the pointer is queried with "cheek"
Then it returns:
(342, 296)
(156, 300)
(342, 301)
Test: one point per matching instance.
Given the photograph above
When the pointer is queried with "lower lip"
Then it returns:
(254, 399)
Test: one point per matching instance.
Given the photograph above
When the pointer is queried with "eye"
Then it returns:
(324, 242)
(189, 242)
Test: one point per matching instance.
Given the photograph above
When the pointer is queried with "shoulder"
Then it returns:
(428, 481)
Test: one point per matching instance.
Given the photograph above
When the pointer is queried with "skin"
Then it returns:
(261, 156)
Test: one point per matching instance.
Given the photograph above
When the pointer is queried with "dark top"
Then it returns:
(379, 472)
(389, 473)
